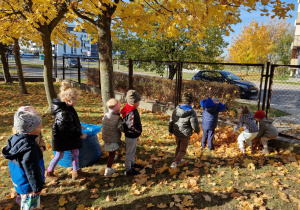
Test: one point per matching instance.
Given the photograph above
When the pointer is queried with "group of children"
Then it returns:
(25, 148)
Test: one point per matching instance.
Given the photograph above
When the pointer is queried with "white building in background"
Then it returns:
(85, 47)
(295, 58)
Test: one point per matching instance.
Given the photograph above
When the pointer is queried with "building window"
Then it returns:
(71, 50)
(65, 48)
(75, 49)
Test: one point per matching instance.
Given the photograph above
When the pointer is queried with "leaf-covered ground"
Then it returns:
(221, 179)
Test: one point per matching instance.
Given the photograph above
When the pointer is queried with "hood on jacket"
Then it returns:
(248, 116)
(17, 144)
(186, 107)
(179, 112)
(127, 108)
(57, 105)
(265, 120)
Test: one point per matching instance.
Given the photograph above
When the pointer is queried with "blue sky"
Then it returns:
(247, 17)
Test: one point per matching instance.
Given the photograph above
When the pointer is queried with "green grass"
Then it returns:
(222, 179)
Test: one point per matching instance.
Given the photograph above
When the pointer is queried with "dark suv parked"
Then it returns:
(247, 89)
(72, 63)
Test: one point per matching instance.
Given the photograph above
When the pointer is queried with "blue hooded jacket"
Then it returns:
(26, 164)
(210, 113)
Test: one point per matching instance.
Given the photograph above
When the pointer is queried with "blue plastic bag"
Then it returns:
(91, 129)
(90, 151)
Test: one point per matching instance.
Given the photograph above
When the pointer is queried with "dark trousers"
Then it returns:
(182, 144)
(208, 134)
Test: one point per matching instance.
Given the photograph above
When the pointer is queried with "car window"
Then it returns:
(231, 76)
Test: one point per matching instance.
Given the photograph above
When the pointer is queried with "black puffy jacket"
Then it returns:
(66, 128)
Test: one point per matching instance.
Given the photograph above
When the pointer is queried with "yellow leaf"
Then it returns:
(80, 207)
(207, 198)
(62, 201)
(251, 166)
(109, 198)
(162, 206)
(149, 205)
(283, 196)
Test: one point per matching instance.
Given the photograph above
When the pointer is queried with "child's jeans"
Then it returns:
(30, 201)
(182, 145)
(130, 152)
(208, 134)
(246, 137)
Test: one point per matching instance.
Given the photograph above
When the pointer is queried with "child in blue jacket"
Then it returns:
(26, 164)
(211, 109)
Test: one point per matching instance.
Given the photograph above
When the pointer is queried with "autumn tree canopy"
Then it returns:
(260, 42)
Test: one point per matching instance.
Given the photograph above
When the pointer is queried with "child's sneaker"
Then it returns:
(173, 165)
(131, 172)
(265, 151)
(109, 171)
(116, 157)
(137, 166)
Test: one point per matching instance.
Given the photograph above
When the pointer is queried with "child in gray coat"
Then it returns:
(112, 126)
(182, 123)
(266, 130)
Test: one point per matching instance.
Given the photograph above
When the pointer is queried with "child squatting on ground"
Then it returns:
(247, 121)
(266, 130)
(132, 130)
(211, 109)
(66, 130)
(26, 164)
(112, 126)
(182, 123)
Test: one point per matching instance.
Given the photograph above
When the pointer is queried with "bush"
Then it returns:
(163, 90)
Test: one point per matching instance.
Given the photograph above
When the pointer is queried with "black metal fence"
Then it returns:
(261, 86)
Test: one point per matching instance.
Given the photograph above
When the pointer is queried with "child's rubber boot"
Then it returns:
(51, 176)
(79, 174)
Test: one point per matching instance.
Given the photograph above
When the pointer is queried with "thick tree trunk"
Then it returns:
(48, 78)
(5, 68)
(105, 58)
(22, 85)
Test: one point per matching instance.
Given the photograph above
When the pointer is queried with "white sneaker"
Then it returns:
(116, 157)
(181, 161)
(173, 165)
(109, 171)
(265, 151)
(243, 151)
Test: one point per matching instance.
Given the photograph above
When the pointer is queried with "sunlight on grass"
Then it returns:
(220, 179)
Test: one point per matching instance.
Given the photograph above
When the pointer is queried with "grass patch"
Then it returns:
(220, 179)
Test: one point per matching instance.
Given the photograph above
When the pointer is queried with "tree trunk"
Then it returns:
(247, 69)
(105, 59)
(23, 89)
(5, 68)
(172, 71)
(48, 78)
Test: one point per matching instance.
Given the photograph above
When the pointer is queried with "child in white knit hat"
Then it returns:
(112, 126)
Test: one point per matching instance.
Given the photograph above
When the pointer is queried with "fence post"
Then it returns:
(180, 81)
(266, 85)
(55, 65)
(130, 73)
(260, 86)
(78, 65)
(63, 67)
(270, 90)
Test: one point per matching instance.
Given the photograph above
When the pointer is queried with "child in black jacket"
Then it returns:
(132, 130)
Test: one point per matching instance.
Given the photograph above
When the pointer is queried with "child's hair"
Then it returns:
(111, 103)
(244, 109)
(66, 91)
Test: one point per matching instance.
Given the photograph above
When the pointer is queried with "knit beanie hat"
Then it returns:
(28, 109)
(132, 97)
(260, 114)
(25, 122)
(187, 98)
(116, 108)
